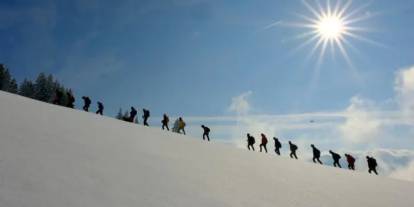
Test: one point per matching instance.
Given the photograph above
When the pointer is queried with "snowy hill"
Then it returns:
(53, 156)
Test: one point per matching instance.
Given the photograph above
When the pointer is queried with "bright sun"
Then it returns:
(330, 27)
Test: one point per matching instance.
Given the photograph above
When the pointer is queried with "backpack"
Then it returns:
(146, 113)
(251, 140)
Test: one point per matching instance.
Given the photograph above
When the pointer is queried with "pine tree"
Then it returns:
(5, 78)
(27, 89)
(126, 114)
(119, 115)
(41, 90)
(13, 87)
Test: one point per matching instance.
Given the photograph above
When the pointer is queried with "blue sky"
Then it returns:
(219, 61)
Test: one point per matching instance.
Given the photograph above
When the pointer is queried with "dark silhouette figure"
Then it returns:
(132, 115)
(86, 103)
(293, 149)
(250, 141)
(145, 116)
(278, 145)
(264, 143)
(351, 161)
(372, 165)
(100, 108)
(206, 132)
(316, 154)
(71, 100)
(336, 157)
(58, 97)
(165, 121)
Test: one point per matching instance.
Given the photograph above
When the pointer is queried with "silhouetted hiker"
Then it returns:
(206, 132)
(351, 161)
(250, 141)
(100, 108)
(165, 121)
(335, 158)
(264, 143)
(145, 116)
(58, 97)
(278, 145)
(372, 165)
(293, 149)
(86, 103)
(132, 114)
(316, 154)
(71, 99)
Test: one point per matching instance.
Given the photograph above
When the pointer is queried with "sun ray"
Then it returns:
(331, 24)
(311, 9)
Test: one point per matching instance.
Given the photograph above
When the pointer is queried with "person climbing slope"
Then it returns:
(145, 116)
(264, 142)
(165, 121)
(351, 161)
(58, 97)
(250, 141)
(71, 100)
(180, 125)
(293, 149)
(206, 132)
(316, 154)
(372, 165)
(100, 108)
(336, 157)
(278, 145)
(86, 103)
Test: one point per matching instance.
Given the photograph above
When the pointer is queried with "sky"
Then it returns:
(236, 67)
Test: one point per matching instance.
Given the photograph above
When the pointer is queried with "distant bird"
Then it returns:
(312, 121)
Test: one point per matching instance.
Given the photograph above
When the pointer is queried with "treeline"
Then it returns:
(43, 88)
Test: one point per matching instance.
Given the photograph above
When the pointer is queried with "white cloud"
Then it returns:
(361, 125)
(404, 173)
(404, 87)
(240, 104)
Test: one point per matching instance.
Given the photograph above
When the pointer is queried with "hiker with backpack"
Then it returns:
(71, 100)
(278, 145)
(316, 154)
(100, 108)
(145, 116)
(372, 165)
(164, 122)
(179, 125)
(206, 132)
(86, 103)
(351, 161)
(132, 115)
(58, 97)
(293, 149)
(250, 141)
(264, 143)
(336, 157)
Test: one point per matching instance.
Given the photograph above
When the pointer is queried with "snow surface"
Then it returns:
(52, 156)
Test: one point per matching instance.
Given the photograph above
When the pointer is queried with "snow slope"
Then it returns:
(53, 156)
